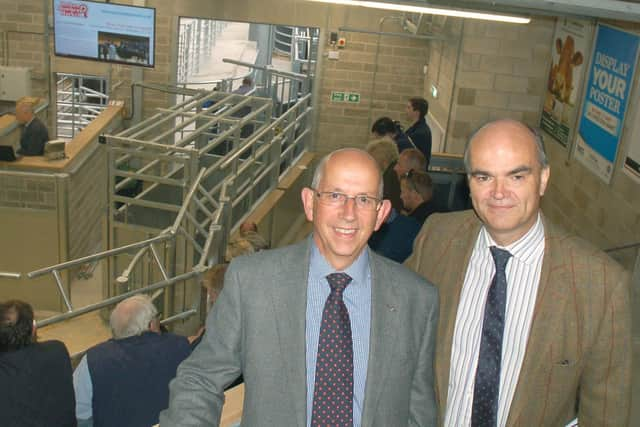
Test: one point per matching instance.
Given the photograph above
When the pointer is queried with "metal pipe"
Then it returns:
(620, 248)
(100, 255)
(8, 275)
(393, 34)
(114, 300)
(187, 200)
(292, 75)
(56, 274)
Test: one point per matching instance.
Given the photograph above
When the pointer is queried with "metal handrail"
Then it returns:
(10, 275)
(96, 257)
(116, 299)
(289, 74)
(623, 247)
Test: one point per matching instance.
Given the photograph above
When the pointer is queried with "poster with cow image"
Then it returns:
(606, 97)
(571, 42)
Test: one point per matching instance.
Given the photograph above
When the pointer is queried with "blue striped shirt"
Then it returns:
(357, 298)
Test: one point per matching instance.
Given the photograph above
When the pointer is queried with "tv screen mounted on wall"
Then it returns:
(105, 32)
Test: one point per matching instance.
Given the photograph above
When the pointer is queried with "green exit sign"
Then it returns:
(353, 97)
(337, 96)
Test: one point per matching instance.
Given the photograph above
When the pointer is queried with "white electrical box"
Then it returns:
(15, 82)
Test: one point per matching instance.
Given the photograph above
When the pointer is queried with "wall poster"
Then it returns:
(611, 70)
(571, 44)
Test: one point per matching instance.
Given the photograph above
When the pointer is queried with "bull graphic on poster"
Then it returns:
(560, 83)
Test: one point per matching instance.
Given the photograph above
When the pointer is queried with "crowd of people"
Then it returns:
(498, 317)
(403, 158)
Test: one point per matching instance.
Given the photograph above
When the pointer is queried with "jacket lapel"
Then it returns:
(458, 253)
(290, 305)
(385, 303)
(549, 303)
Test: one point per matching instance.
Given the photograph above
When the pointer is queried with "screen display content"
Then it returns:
(105, 32)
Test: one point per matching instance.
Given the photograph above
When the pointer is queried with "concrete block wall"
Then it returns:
(385, 81)
(22, 37)
(608, 215)
(33, 192)
(501, 72)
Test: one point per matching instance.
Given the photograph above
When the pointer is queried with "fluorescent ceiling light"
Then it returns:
(400, 7)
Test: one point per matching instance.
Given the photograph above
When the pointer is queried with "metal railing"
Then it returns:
(197, 40)
(623, 247)
(79, 100)
(10, 275)
(174, 197)
(187, 229)
(284, 88)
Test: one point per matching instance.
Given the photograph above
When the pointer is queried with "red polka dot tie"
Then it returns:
(333, 391)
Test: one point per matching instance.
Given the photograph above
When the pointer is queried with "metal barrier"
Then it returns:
(197, 38)
(200, 219)
(79, 99)
(283, 87)
(179, 181)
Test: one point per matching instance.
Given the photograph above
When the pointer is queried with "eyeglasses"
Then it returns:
(408, 174)
(334, 198)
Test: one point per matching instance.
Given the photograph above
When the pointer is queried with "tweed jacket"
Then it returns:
(579, 346)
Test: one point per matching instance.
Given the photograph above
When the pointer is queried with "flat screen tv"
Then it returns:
(106, 32)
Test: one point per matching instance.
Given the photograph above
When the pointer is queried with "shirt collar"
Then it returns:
(319, 268)
(527, 249)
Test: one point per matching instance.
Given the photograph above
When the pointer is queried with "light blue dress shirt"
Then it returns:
(357, 298)
(83, 387)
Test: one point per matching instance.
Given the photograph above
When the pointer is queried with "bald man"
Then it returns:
(34, 133)
(325, 332)
(124, 382)
(535, 324)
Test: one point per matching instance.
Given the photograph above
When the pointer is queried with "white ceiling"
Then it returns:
(609, 9)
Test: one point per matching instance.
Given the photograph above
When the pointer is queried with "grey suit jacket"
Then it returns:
(579, 346)
(257, 328)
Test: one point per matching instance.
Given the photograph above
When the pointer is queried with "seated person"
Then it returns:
(125, 381)
(385, 152)
(34, 132)
(249, 231)
(385, 127)
(416, 191)
(36, 387)
(394, 239)
(236, 247)
(411, 159)
(245, 87)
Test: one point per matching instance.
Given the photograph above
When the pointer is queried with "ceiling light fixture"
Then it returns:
(402, 7)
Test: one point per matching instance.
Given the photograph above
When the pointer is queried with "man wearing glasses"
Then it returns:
(325, 332)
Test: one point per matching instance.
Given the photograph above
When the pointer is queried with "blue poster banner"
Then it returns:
(613, 64)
